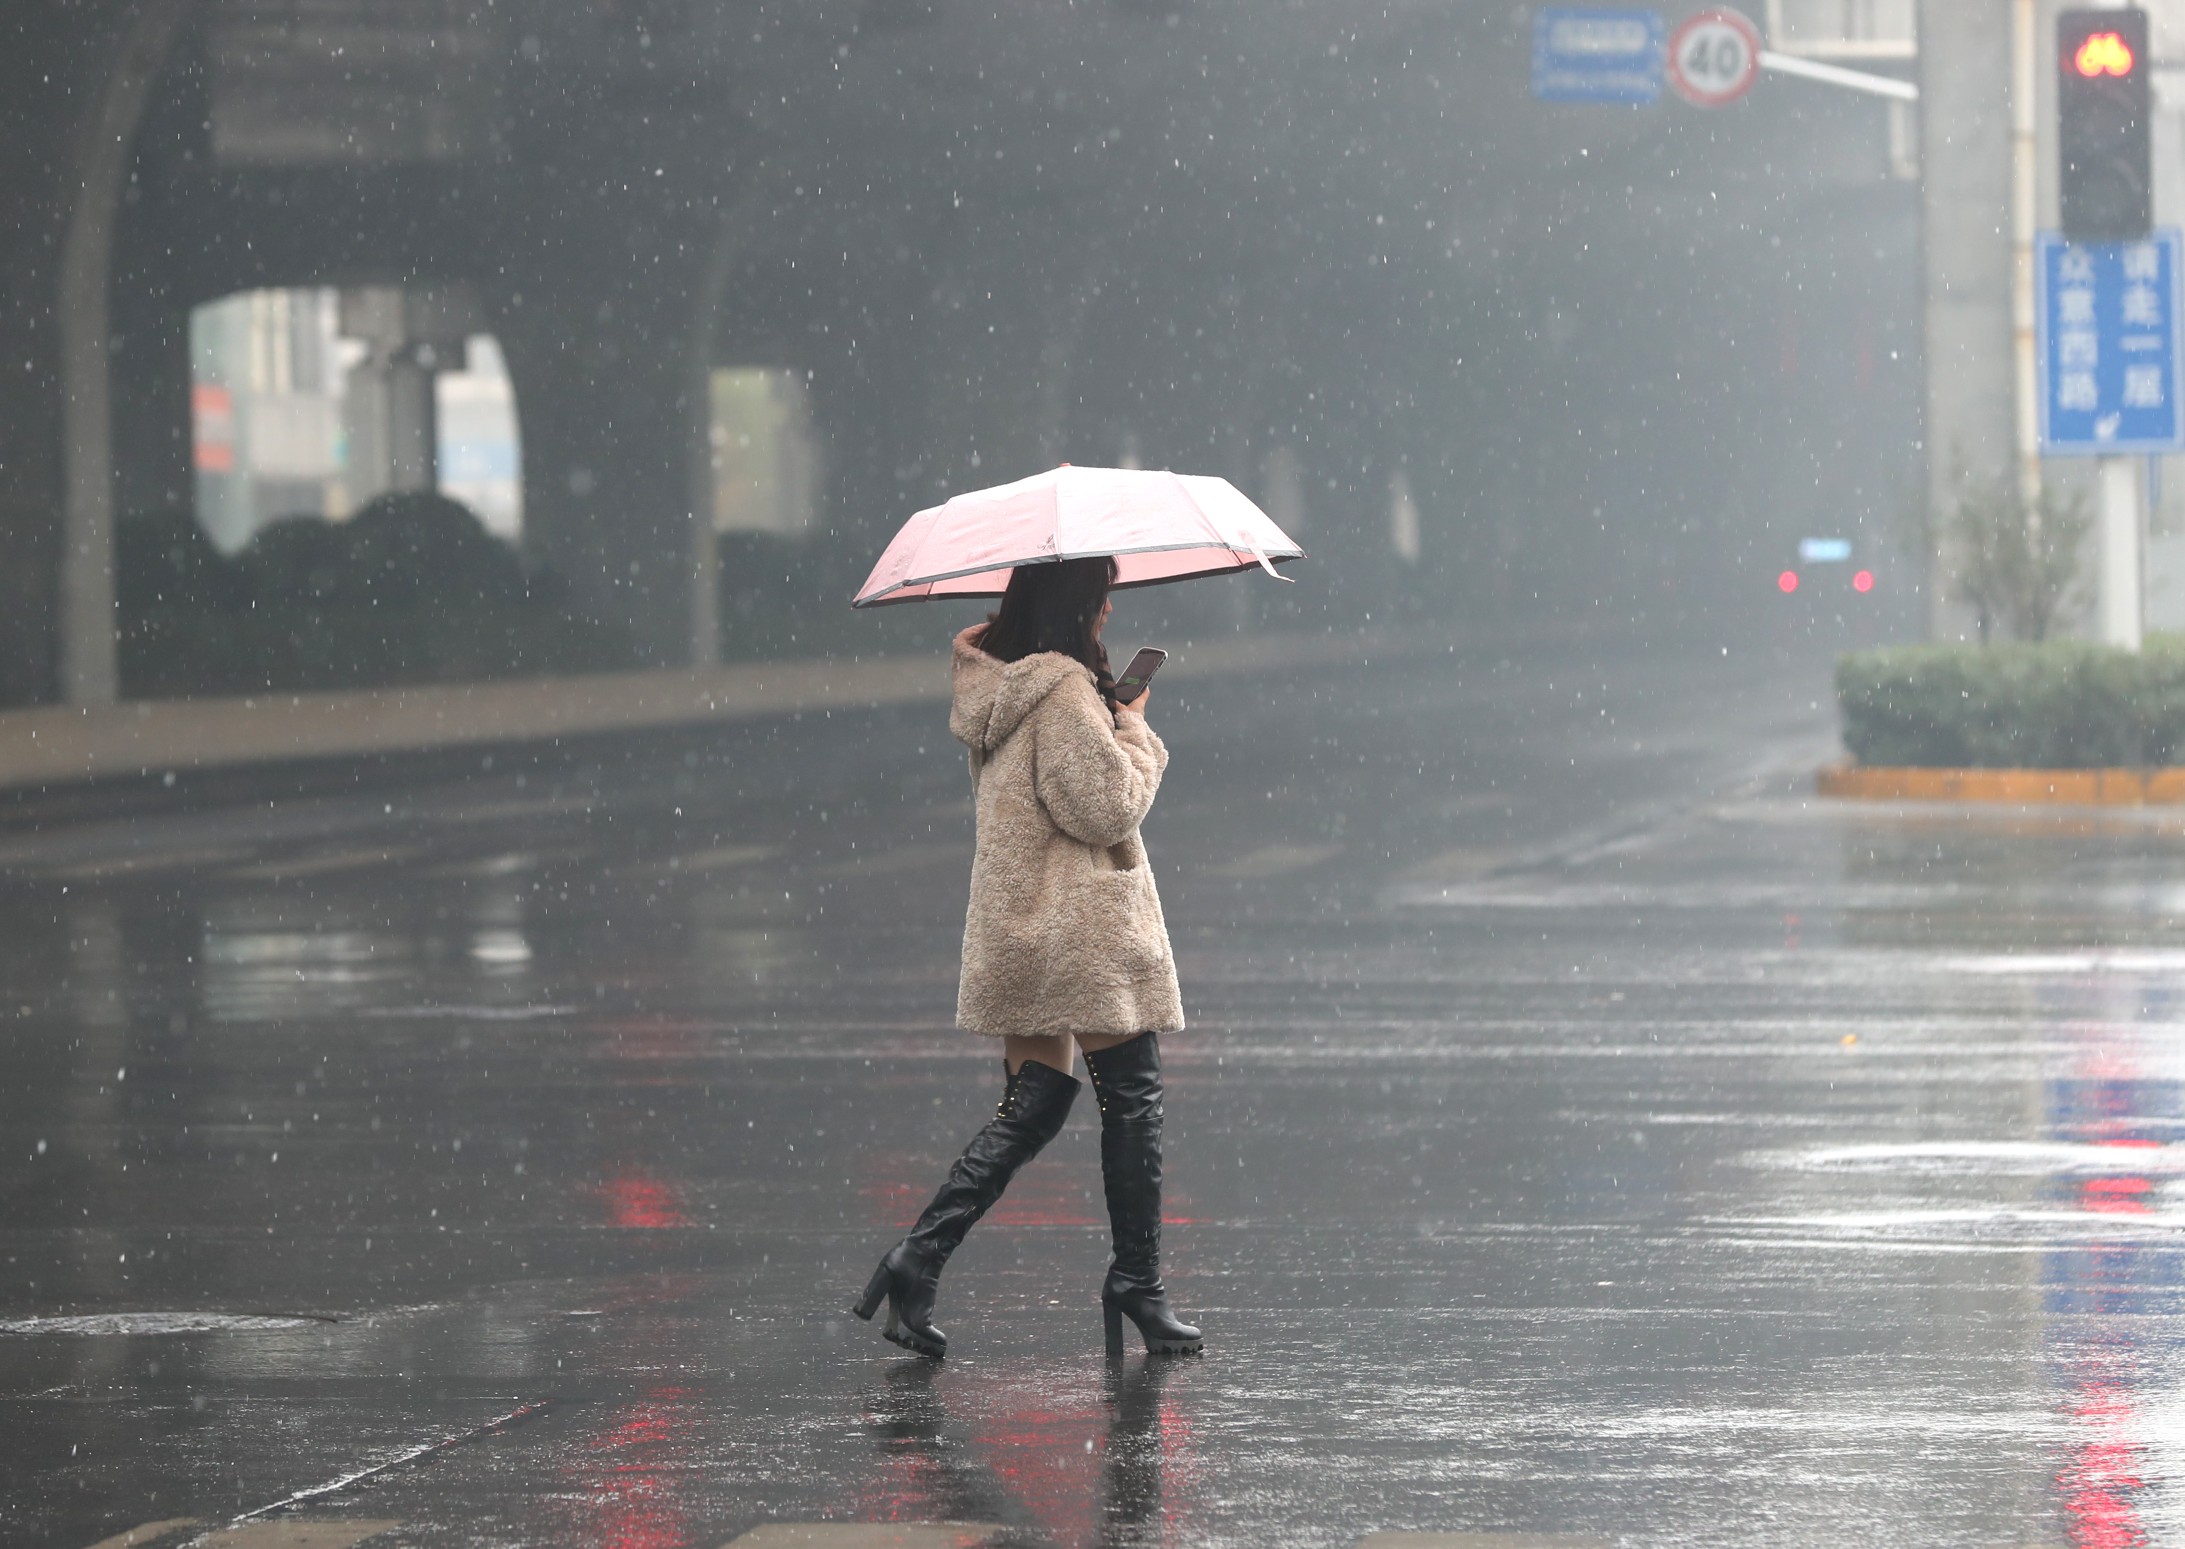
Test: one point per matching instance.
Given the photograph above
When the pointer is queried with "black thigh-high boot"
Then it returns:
(1033, 1107)
(1127, 1081)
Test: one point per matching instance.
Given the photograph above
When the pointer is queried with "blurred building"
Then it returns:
(265, 401)
(480, 445)
(311, 401)
(1620, 355)
(765, 460)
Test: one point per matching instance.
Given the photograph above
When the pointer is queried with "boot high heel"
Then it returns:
(1127, 1081)
(1033, 1107)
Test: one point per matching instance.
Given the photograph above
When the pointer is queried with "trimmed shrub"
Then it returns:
(2058, 704)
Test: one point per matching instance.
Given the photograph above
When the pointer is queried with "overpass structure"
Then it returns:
(1610, 357)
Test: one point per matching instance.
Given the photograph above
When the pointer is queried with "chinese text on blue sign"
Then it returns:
(2108, 348)
(1585, 54)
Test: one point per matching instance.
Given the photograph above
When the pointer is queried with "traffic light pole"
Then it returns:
(2117, 607)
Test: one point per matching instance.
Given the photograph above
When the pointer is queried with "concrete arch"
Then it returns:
(101, 152)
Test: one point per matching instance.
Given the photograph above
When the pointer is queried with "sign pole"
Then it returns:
(2119, 598)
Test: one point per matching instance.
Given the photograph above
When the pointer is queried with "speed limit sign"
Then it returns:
(1714, 57)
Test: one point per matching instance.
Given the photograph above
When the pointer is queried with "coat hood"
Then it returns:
(993, 698)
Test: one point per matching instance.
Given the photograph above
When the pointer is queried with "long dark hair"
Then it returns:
(1055, 607)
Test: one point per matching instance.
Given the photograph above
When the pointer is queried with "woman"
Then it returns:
(1064, 945)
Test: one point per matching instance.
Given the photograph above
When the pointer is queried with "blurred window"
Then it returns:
(481, 447)
(765, 458)
(265, 400)
(286, 417)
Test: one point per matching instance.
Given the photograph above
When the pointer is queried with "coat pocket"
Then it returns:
(1121, 921)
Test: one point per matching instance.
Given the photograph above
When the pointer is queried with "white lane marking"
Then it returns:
(144, 1533)
(409, 1455)
(1273, 860)
(2021, 1157)
(724, 858)
(326, 864)
(134, 1324)
(137, 865)
(1478, 1541)
(508, 863)
(465, 1013)
(2119, 962)
(897, 859)
(1971, 1230)
(500, 947)
(296, 1535)
(867, 1535)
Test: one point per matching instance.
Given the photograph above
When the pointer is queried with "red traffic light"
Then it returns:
(2103, 113)
(2103, 53)
(1863, 581)
(1787, 582)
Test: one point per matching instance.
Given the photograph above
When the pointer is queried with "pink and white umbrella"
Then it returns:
(1159, 527)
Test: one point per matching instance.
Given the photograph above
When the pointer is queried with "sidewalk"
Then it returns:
(64, 745)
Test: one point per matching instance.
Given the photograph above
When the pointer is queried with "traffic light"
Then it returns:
(2102, 116)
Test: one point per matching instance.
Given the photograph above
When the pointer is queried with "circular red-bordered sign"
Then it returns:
(1714, 57)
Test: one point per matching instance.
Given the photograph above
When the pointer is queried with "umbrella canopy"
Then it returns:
(1159, 526)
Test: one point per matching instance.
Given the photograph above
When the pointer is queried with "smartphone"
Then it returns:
(1139, 674)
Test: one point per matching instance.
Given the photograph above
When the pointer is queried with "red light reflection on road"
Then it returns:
(1049, 1459)
(2117, 1196)
(627, 1483)
(2104, 1098)
(1123, 1469)
(640, 1203)
(2102, 1478)
(1179, 1471)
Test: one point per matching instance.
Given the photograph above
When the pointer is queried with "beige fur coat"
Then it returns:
(1065, 933)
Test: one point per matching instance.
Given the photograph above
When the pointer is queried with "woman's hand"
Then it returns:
(1136, 706)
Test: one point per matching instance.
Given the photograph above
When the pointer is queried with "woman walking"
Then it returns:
(1065, 947)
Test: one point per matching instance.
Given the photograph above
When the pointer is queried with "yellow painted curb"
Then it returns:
(2012, 787)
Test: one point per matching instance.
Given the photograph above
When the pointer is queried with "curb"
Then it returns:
(57, 746)
(2163, 787)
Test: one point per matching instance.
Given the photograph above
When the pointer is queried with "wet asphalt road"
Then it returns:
(1581, 1132)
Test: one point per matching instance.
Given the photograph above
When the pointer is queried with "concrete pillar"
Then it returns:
(153, 452)
(410, 335)
(1966, 189)
(393, 427)
(609, 503)
(103, 146)
(79, 91)
(31, 484)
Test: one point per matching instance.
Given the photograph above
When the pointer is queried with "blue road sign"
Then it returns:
(2108, 320)
(1588, 54)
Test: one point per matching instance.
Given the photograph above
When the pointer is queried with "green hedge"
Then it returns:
(2058, 704)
